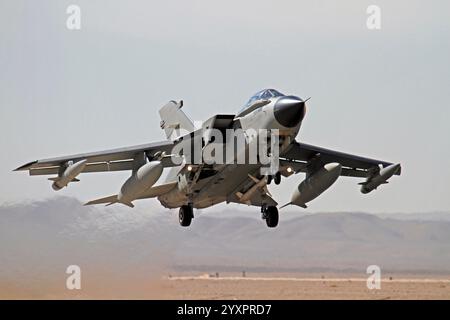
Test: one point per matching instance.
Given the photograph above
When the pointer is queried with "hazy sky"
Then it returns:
(382, 94)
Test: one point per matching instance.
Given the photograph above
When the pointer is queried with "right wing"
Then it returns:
(100, 161)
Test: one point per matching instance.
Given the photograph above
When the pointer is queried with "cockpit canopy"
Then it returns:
(260, 95)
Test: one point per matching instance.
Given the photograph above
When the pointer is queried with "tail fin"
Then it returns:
(173, 120)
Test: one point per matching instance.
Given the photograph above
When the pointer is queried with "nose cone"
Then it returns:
(289, 111)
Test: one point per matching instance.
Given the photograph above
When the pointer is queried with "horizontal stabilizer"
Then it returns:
(285, 205)
(128, 204)
(158, 190)
(304, 206)
(57, 178)
(367, 182)
(109, 200)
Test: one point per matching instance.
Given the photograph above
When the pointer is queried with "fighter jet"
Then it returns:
(196, 178)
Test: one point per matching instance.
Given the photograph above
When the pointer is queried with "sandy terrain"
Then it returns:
(234, 286)
(204, 287)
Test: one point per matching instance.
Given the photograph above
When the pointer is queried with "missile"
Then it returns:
(144, 178)
(381, 177)
(259, 184)
(315, 184)
(69, 175)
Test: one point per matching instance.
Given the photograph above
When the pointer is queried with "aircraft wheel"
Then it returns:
(272, 216)
(277, 178)
(185, 216)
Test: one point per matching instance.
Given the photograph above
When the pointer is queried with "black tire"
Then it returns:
(272, 217)
(185, 216)
(269, 179)
(277, 178)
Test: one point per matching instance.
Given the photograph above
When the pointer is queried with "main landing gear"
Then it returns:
(185, 215)
(270, 214)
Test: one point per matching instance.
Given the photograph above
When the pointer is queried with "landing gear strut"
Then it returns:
(277, 178)
(270, 214)
(185, 215)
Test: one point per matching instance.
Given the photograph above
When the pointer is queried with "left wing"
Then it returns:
(300, 154)
(107, 160)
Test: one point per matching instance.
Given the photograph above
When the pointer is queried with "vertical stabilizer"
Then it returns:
(174, 121)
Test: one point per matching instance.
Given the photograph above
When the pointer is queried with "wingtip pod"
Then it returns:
(381, 177)
(398, 171)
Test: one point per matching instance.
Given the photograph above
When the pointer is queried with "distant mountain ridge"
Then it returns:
(38, 238)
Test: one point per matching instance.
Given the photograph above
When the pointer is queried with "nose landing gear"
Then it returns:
(276, 178)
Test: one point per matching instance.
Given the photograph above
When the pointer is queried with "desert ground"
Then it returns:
(303, 287)
(135, 255)
(255, 286)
